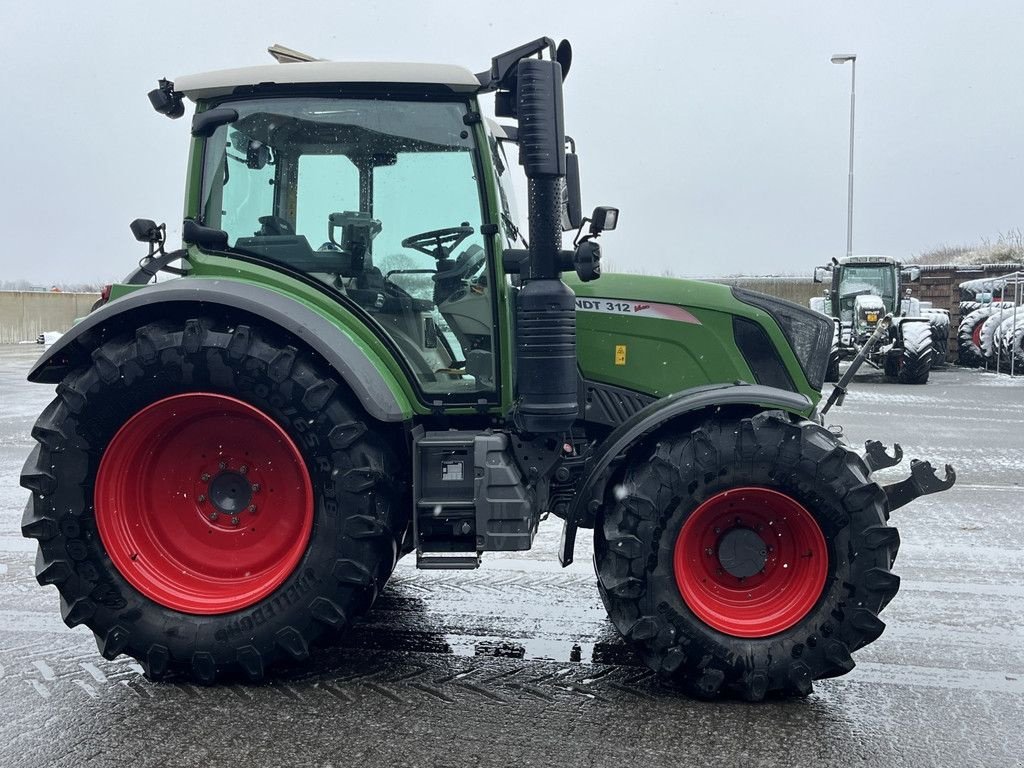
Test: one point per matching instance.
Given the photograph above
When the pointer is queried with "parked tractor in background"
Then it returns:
(862, 292)
(361, 358)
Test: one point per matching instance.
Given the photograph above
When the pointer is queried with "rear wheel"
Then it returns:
(207, 500)
(748, 557)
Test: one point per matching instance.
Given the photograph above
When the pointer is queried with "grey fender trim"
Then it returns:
(591, 491)
(336, 347)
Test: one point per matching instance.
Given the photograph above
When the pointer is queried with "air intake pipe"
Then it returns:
(545, 311)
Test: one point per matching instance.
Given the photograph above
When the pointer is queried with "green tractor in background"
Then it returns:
(361, 359)
(865, 291)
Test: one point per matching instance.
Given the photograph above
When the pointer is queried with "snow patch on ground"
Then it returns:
(1001, 379)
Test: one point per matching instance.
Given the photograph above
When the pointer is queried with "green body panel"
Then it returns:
(206, 266)
(663, 356)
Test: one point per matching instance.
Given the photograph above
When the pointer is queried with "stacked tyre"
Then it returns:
(1007, 340)
(939, 321)
(982, 334)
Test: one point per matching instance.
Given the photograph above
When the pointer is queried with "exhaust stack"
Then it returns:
(546, 307)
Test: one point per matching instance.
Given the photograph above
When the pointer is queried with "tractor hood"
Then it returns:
(660, 335)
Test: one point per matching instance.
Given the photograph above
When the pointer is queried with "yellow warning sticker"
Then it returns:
(620, 354)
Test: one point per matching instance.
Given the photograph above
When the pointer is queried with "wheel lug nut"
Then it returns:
(255, 487)
(223, 465)
(234, 521)
(204, 477)
(718, 530)
(709, 551)
(201, 498)
(252, 508)
(243, 469)
(214, 516)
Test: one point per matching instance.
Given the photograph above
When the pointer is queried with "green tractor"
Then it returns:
(361, 359)
(866, 291)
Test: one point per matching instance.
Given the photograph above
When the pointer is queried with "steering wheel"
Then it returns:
(438, 242)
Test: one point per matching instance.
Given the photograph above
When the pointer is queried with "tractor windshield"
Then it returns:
(859, 280)
(381, 200)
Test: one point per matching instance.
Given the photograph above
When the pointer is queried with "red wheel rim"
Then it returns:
(203, 503)
(976, 333)
(751, 562)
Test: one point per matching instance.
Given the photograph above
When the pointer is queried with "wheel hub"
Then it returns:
(742, 552)
(230, 492)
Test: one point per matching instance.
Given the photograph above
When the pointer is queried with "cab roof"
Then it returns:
(868, 260)
(224, 81)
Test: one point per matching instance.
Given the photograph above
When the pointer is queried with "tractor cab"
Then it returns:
(381, 199)
(862, 290)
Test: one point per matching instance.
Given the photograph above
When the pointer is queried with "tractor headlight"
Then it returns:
(809, 333)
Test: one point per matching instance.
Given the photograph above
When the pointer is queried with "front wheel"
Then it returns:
(207, 501)
(747, 557)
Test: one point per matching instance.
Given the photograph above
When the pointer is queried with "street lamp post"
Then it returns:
(842, 58)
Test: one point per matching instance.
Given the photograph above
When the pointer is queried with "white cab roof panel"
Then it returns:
(868, 259)
(223, 82)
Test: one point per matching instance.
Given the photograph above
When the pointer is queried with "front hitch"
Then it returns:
(876, 457)
(922, 481)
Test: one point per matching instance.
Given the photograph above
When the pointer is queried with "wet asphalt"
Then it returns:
(516, 663)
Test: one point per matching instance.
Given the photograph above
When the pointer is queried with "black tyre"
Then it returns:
(799, 505)
(915, 362)
(207, 500)
(940, 342)
(970, 353)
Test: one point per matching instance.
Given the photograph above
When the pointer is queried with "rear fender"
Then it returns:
(662, 413)
(367, 377)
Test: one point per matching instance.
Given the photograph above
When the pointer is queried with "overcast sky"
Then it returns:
(720, 129)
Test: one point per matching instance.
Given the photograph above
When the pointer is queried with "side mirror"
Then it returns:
(166, 100)
(257, 155)
(147, 231)
(820, 273)
(572, 205)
